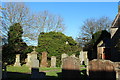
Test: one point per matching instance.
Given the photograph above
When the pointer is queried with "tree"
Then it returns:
(92, 26)
(56, 43)
(15, 43)
(46, 22)
(32, 23)
(15, 13)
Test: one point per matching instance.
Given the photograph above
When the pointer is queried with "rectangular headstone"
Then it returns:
(53, 61)
(101, 70)
(44, 60)
(71, 68)
(32, 60)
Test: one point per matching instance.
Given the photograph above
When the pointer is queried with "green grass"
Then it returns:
(22, 69)
(25, 69)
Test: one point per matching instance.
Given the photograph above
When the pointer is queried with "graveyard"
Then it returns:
(60, 57)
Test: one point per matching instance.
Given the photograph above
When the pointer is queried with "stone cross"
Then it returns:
(17, 60)
(53, 61)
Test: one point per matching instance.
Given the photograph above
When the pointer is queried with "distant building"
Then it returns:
(115, 37)
(107, 46)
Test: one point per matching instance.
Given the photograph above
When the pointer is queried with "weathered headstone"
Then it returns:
(53, 61)
(28, 60)
(32, 60)
(117, 69)
(17, 60)
(62, 57)
(83, 57)
(34, 64)
(101, 70)
(71, 68)
(44, 60)
(73, 55)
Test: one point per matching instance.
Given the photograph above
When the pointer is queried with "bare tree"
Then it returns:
(46, 22)
(32, 23)
(15, 13)
(92, 26)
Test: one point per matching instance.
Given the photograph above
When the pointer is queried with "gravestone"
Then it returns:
(53, 61)
(62, 57)
(17, 60)
(73, 55)
(28, 60)
(117, 69)
(44, 60)
(101, 70)
(32, 60)
(71, 68)
(83, 57)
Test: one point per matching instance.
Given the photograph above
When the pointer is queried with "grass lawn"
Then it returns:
(25, 69)
(24, 72)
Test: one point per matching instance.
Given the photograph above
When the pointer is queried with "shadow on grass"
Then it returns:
(27, 76)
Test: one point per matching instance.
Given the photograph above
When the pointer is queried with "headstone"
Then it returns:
(71, 68)
(73, 55)
(83, 57)
(53, 61)
(62, 57)
(117, 69)
(101, 70)
(17, 60)
(44, 60)
(32, 60)
(28, 60)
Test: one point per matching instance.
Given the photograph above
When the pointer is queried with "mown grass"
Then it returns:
(25, 69)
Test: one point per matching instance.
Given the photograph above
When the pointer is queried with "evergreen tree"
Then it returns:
(56, 43)
(15, 44)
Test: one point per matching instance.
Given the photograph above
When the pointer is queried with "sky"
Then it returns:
(75, 13)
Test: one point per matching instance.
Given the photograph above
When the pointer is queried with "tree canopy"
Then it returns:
(15, 44)
(91, 26)
(56, 43)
